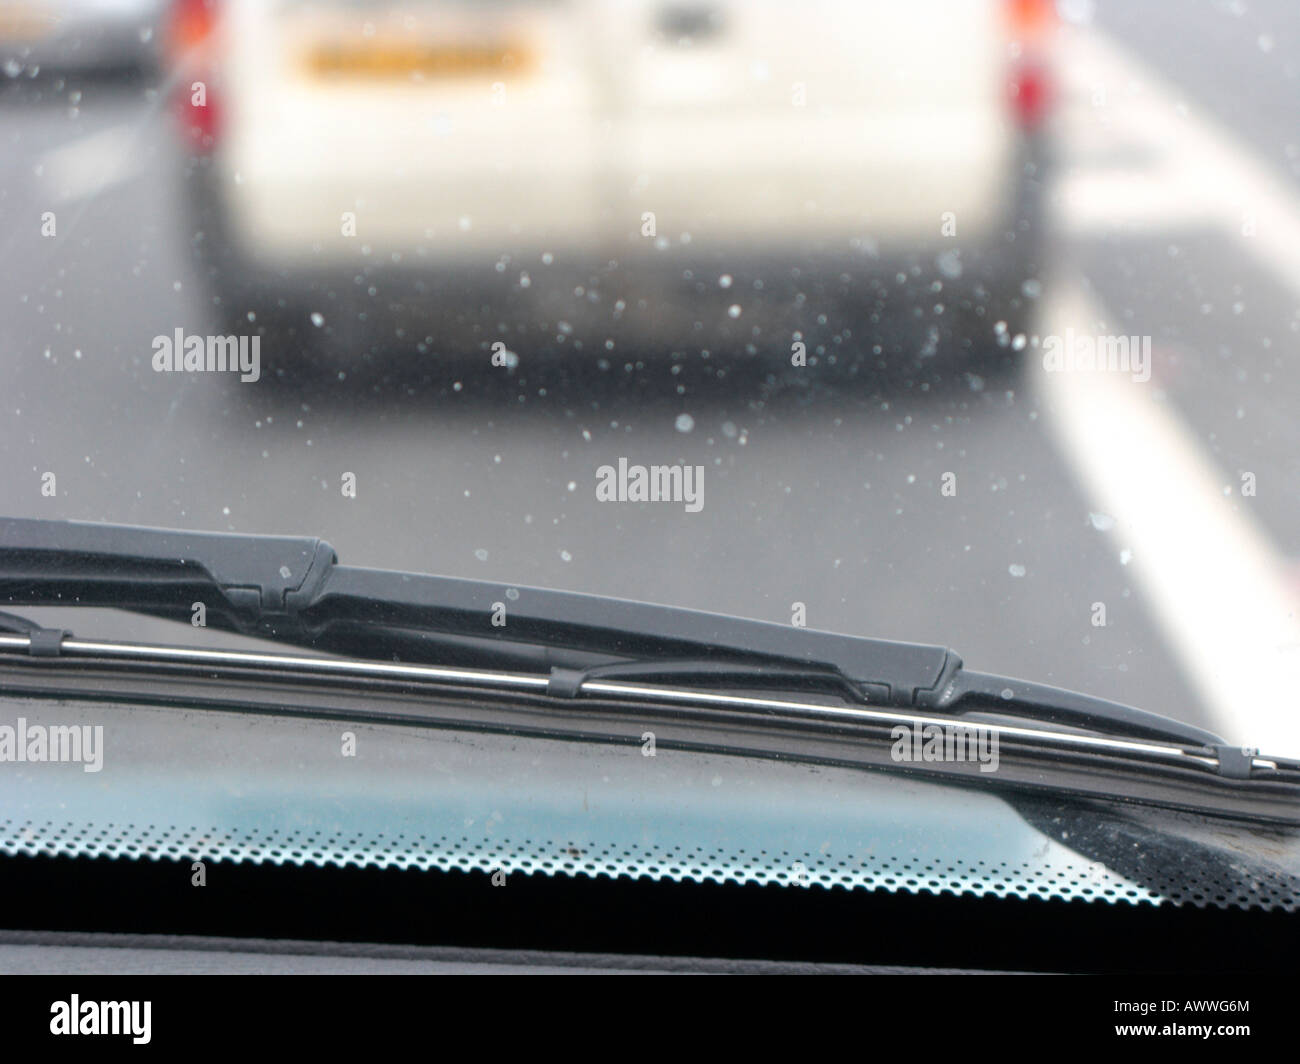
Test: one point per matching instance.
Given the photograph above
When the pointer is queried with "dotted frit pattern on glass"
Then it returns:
(558, 857)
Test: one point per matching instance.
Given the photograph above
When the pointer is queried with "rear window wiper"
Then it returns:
(294, 591)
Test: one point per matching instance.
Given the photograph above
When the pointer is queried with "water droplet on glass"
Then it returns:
(949, 263)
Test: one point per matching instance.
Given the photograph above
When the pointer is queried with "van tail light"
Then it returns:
(1030, 26)
(1031, 91)
(1030, 18)
(189, 49)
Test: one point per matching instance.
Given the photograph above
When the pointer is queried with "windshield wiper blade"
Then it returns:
(293, 590)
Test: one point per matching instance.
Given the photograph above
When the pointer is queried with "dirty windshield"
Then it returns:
(956, 322)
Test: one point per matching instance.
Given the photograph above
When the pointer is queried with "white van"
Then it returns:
(438, 177)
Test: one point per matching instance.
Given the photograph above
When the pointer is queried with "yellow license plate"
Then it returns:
(401, 60)
(24, 23)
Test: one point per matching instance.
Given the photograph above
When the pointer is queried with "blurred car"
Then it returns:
(78, 36)
(436, 177)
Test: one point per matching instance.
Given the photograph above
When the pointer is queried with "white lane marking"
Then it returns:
(90, 165)
(1142, 160)
(1218, 587)
(1196, 172)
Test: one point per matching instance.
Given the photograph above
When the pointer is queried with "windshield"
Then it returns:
(957, 323)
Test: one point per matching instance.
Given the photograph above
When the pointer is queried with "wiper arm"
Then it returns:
(293, 590)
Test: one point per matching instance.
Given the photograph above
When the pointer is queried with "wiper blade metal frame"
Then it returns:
(293, 590)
